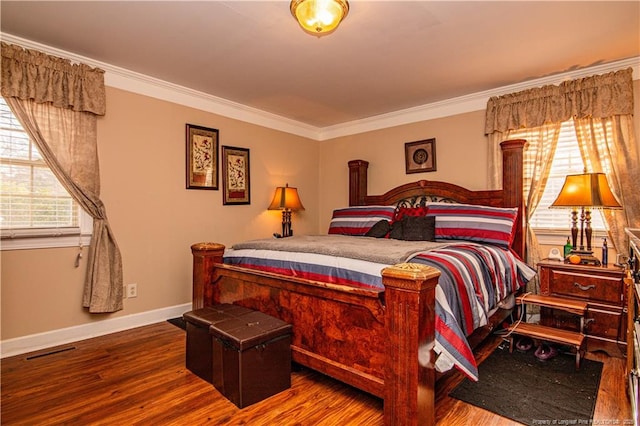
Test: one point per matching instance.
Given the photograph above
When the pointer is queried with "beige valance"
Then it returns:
(32, 75)
(600, 96)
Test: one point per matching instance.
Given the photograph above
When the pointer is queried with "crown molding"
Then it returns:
(121, 78)
(468, 103)
(159, 89)
(124, 79)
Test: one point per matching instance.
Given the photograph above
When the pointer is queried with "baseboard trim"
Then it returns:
(34, 342)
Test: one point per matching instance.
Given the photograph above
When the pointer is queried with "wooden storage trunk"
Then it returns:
(252, 356)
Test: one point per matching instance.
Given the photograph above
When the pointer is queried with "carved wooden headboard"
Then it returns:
(511, 194)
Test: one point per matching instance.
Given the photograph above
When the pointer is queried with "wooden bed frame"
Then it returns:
(378, 341)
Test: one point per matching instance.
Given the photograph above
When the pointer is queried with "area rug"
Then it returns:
(178, 322)
(522, 388)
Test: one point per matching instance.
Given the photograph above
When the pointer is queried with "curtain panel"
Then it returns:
(57, 104)
(610, 147)
(601, 107)
(29, 74)
(599, 96)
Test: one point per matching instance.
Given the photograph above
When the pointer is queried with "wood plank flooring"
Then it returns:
(138, 377)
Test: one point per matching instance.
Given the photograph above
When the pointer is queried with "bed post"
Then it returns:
(205, 255)
(357, 182)
(512, 186)
(409, 376)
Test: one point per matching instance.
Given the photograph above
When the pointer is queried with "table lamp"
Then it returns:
(286, 199)
(584, 192)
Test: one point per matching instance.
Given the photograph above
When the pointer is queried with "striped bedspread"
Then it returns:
(474, 279)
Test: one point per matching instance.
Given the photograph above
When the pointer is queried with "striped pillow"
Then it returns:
(493, 225)
(358, 220)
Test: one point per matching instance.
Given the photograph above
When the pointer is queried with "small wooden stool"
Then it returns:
(552, 334)
(549, 334)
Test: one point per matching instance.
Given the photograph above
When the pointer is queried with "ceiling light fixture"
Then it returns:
(319, 17)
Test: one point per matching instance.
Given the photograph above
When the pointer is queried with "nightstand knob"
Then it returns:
(584, 288)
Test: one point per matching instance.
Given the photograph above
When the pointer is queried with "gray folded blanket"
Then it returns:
(378, 250)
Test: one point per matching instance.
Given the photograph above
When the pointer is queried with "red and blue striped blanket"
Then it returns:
(475, 278)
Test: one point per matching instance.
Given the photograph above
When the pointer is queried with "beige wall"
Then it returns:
(461, 158)
(155, 219)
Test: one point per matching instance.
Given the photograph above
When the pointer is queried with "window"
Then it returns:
(33, 203)
(567, 161)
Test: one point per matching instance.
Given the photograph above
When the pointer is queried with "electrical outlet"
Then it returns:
(132, 290)
(124, 291)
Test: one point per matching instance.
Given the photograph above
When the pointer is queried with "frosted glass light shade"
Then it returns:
(319, 17)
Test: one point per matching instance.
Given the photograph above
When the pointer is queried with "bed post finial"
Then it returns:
(357, 182)
(205, 255)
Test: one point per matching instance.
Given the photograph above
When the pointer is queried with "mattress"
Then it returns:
(475, 278)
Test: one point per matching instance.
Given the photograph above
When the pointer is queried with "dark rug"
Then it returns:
(178, 322)
(522, 388)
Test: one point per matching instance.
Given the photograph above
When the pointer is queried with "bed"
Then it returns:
(379, 338)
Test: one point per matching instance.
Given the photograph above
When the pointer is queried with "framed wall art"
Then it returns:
(236, 180)
(420, 156)
(202, 157)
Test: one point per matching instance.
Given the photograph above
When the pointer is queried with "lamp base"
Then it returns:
(286, 223)
(586, 258)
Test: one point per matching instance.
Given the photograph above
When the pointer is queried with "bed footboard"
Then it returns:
(380, 342)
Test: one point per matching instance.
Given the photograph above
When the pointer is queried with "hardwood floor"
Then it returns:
(138, 377)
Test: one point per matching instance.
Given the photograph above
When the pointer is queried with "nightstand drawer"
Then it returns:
(601, 323)
(607, 324)
(602, 287)
(592, 287)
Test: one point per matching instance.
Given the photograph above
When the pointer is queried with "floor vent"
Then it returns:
(57, 351)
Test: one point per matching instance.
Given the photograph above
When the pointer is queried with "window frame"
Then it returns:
(558, 236)
(41, 238)
(48, 237)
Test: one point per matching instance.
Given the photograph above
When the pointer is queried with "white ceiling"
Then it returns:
(386, 56)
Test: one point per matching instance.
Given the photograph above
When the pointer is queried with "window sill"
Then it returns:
(44, 242)
(552, 237)
(30, 239)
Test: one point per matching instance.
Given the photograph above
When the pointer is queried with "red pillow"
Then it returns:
(409, 211)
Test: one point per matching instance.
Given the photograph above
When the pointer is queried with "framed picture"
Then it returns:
(202, 157)
(420, 156)
(236, 180)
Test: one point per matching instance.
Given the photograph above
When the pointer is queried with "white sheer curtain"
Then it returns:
(542, 143)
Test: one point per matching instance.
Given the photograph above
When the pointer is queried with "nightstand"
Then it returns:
(602, 288)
